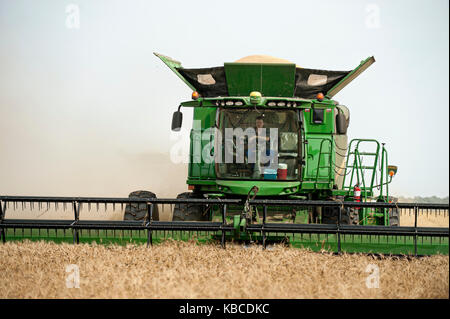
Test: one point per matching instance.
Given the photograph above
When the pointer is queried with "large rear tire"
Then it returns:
(135, 211)
(349, 216)
(189, 212)
(394, 217)
(394, 213)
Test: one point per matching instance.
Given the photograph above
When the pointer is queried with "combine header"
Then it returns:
(269, 162)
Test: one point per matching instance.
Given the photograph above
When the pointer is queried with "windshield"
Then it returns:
(257, 144)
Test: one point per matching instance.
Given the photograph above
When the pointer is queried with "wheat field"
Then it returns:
(188, 270)
(432, 219)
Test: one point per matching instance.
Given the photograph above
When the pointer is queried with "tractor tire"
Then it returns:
(394, 213)
(135, 211)
(189, 212)
(349, 216)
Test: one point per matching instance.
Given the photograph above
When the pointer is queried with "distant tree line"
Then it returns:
(419, 199)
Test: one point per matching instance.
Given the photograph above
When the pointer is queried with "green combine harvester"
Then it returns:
(270, 162)
(311, 143)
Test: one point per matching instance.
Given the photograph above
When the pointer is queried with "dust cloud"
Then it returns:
(94, 175)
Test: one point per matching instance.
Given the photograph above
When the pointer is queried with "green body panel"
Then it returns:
(318, 171)
(269, 79)
(318, 158)
(266, 188)
(327, 126)
(241, 188)
(198, 168)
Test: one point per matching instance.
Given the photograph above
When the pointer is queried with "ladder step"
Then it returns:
(363, 189)
(363, 153)
(364, 167)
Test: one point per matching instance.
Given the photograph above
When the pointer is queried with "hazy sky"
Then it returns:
(86, 107)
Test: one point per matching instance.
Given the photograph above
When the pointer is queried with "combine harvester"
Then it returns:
(269, 162)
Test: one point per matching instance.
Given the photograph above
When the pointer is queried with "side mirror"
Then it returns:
(177, 120)
(341, 123)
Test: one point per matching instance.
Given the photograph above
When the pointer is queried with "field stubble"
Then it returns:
(188, 270)
(432, 218)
